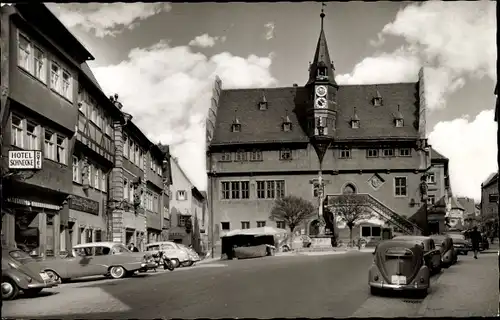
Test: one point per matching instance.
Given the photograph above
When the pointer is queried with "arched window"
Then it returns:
(349, 189)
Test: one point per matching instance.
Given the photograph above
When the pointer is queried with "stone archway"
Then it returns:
(314, 227)
(349, 188)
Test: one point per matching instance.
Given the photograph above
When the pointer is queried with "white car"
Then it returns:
(172, 250)
(193, 256)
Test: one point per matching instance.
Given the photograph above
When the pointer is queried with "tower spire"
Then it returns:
(322, 67)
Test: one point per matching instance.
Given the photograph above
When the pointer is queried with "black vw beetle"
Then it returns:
(432, 255)
(399, 265)
(449, 255)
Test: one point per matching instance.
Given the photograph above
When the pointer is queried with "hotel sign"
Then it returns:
(84, 205)
(20, 159)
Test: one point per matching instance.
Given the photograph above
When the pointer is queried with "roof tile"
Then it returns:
(265, 125)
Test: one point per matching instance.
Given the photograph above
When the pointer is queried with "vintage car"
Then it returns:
(172, 250)
(98, 258)
(399, 265)
(432, 255)
(193, 256)
(445, 245)
(20, 272)
(460, 243)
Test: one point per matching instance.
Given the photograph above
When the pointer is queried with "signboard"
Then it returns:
(20, 159)
(84, 204)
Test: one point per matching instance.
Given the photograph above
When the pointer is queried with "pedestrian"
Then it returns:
(132, 247)
(475, 238)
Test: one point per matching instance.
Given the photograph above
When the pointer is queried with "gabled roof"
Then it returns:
(437, 156)
(260, 126)
(468, 204)
(40, 16)
(493, 178)
(455, 204)
(88, 72)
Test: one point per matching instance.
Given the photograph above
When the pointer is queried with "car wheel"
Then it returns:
(9, 289)
(175, 262)
(285, 249)
(188, 264)
(117, 272)
(32, 292)
(53, 275)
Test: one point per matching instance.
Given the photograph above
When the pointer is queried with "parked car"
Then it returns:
(172, 250)
(193, 256)
(20, 272)
(399, 265)
(445, 245)
(98, 258)
(460, 243)
(432, 255)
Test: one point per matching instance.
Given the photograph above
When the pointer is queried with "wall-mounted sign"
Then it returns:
(84, 204)
(20, 159)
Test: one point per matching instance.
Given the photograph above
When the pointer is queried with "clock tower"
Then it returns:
(322, 103)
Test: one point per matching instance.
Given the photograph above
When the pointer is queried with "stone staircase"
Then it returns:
(386, 213)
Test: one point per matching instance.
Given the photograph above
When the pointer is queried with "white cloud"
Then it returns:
(471, 147)
(106, 19)
(452, 39)
(269, 30)
(168, 90)
(205, 41)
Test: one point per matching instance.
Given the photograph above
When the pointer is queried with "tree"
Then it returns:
(292, 210)
(350, 209)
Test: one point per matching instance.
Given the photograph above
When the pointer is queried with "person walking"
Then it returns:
(132, 247)
(475, 238)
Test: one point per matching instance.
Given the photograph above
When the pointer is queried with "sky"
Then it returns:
(162, 58)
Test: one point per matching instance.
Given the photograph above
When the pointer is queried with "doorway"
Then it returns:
(434, 227)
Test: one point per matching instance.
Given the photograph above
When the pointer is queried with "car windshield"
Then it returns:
(21, 256)
(153, 247)
(120, 248)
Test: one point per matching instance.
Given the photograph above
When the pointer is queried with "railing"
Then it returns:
(387, 214)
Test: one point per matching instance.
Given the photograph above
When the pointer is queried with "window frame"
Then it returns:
(18, 129)
(125, 146)
(396, 187)
(64, 147)
(125, 189)
(377, 152)
(256, 155)
(280, 223)
(32, 58)
(266, 191)
(35, 134)
(429, 180)
(227, 192)
(431, 199)
(178, 195)
(400, 152)
(261, 223)
(399, 123)
(240, 156)
(245, 225)
(492, 196)
(387, 149)
(223, 223)
(284, 152)
(50, 154)
(345, 153)
(76, 170)
(226, 156)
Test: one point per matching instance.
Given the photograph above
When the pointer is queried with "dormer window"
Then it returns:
(377, 99)
(286, 126)
(263, 102)
(355, 120)
(236, 126)
(398, 119)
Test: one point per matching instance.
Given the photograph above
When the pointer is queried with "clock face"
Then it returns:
(321, 91)
(321, 103)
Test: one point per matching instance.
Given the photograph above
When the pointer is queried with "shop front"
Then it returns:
(86, 220)
(35, 226)
(134, 228)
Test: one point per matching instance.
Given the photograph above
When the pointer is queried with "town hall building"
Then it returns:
(263, 144)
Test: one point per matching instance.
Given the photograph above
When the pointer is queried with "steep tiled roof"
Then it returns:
(265, 125)
(455, 204)
(468, 204)
(86, 69)
(436, 155)
(491, 179)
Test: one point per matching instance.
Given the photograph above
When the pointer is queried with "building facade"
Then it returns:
(138, 184)
(187, 210)
(489, 196)
(40, 68)
(263, 144)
